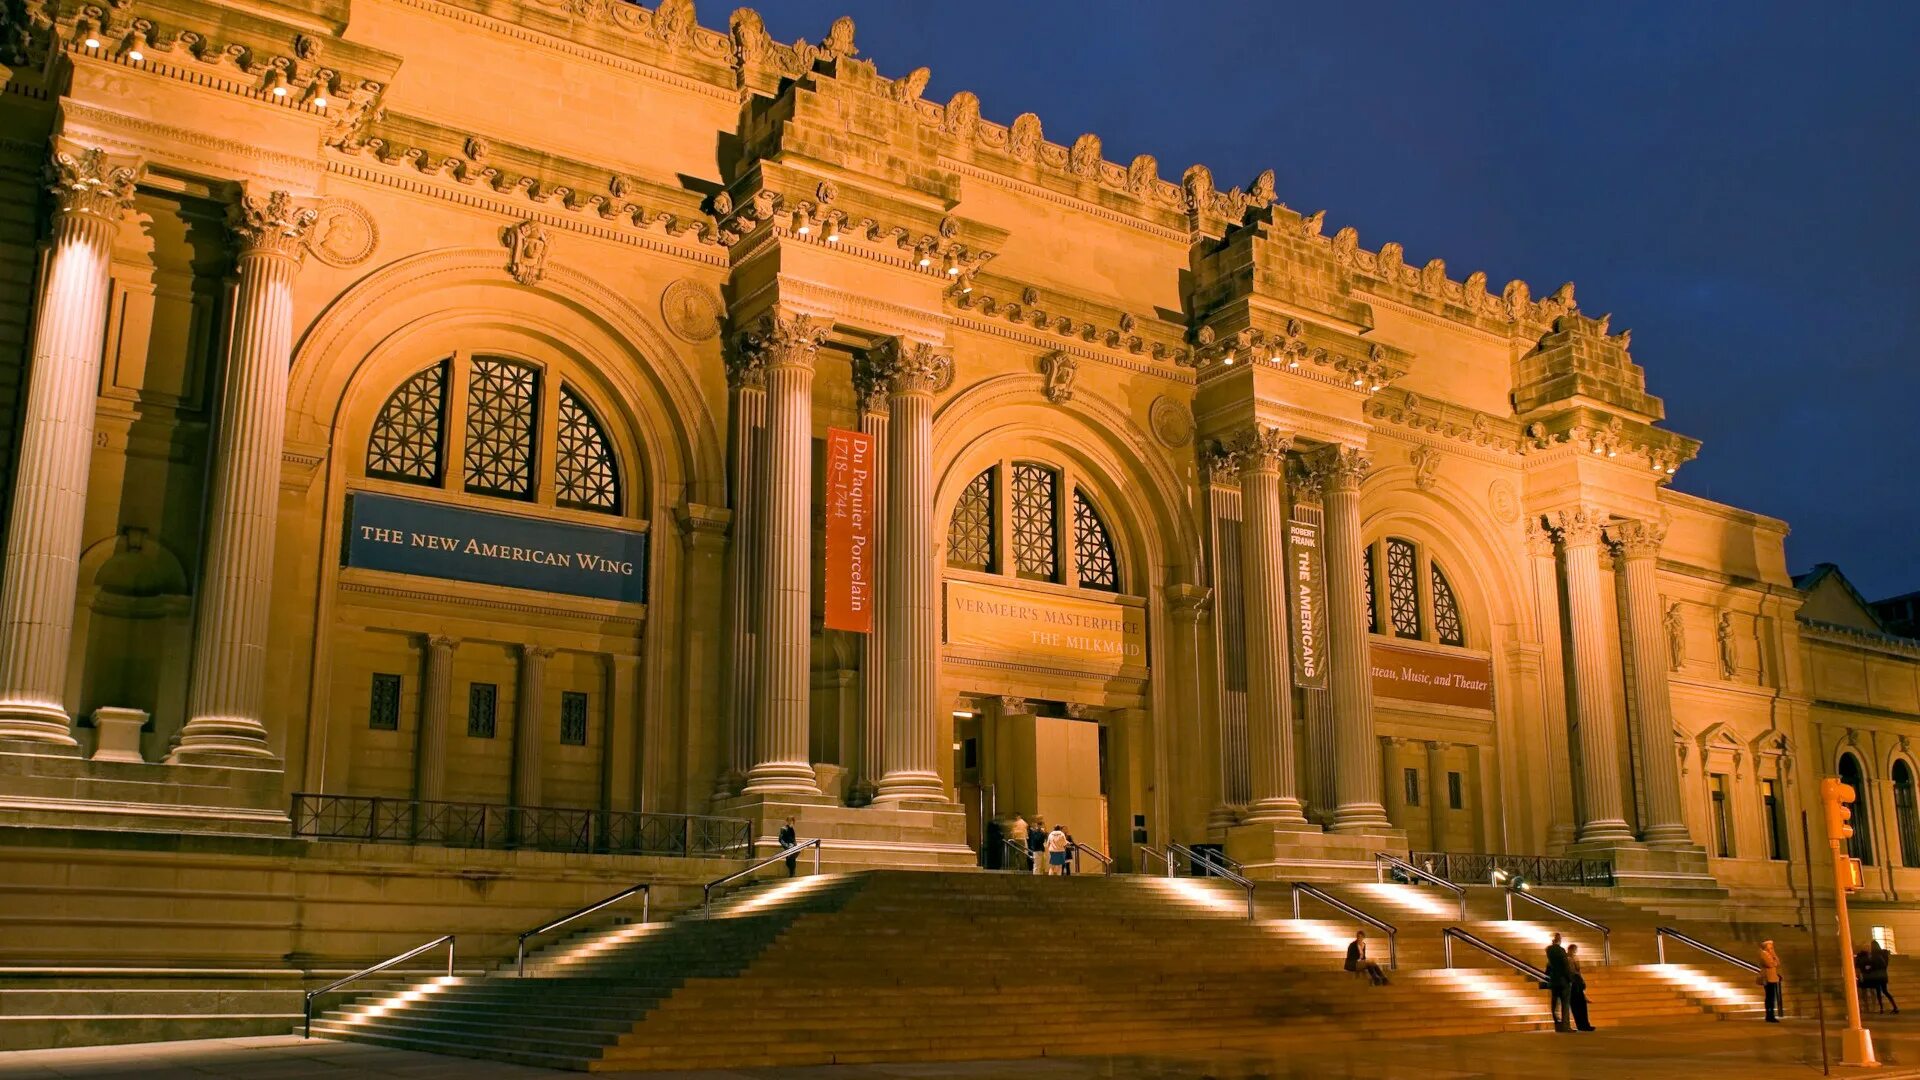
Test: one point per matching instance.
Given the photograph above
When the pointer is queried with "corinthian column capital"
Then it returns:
(271, 224)
(1638, 539)
(1341, 468)
(1256, 448)
(910, 367)
(1579, 527)
(783, 339)
(85, 182)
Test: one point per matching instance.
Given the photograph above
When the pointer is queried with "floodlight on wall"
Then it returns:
(90, 35)
(277, 83)
(134, 47)
(317, 94)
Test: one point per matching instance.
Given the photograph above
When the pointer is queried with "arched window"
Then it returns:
(498, 445)
(1412, 596)
(970, 532)
(1860, 845)
(406, 439)
(1906, 814)
(1092, 550)
(1032, 492)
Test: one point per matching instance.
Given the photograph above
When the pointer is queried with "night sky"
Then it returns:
(1739, 184)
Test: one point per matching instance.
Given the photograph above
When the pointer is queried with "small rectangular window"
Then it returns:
(1722, 827)
(1776, 821)
(481, 700)
(1455, 796)
(383, 703)
(1412, 780)
(573, 718)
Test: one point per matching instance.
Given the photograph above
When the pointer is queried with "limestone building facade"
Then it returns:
(383, 429)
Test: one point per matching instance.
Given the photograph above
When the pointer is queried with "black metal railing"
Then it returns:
(374, 820)
(1473, 869)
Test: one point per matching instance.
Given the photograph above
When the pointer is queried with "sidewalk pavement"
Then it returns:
(1707, 1050)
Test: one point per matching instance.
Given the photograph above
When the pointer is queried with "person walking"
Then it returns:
(1770, 980)
(1878, 961)
(1559, 985)
(1057, 851)
(1577, 990)
(1037, 845)
(788, 838)
(1357, 961)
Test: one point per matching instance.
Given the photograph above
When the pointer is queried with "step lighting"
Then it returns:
(1694, 981)
(404, 997)
(1412, 898)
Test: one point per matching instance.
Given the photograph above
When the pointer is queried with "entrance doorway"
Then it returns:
(1040, 762)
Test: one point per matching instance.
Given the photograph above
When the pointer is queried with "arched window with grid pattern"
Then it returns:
(1031, 495)
(584, 475)
(408, 433)
(1092, 548)
(1409, 595)
(970, 530)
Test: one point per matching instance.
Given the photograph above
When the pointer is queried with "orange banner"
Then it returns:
(1437, 678)
(850, 556)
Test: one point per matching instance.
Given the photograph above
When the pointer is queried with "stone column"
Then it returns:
(787, 344)
(1639, 543)
(870, 386)
(436, 692)
(1437, 793)
(1259, 455)
(747, 380)
(56, 448)
(912, 733)
(1356, 777)
(1553, 688)
(528, 725)
(1194, 756)
(226, 691)
(1317, 705)
(1601, 816)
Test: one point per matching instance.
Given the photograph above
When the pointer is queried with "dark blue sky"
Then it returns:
(1737, 183)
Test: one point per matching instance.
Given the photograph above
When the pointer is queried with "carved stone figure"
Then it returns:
(963, 114)
(1725, 634)
(1023, 139)
(1084, 158)
(1426, 462)
(527, 252)
(839, 40)
(1142, 173)
(1676, 638)
(1061, 369)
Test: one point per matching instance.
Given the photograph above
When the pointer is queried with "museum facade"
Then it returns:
(565, 405)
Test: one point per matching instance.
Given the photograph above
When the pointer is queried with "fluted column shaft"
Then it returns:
(875, 422)
(1260, 457)
(1639, 544)
(1356, 779)
(781, 761)
(747, 373)
(910, 755)
(1601, 816)
(528, 729)
(1437, 793)
(436, 692)
(226, 691)
(56, 449)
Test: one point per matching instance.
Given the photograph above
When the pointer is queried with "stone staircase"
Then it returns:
(919, 966)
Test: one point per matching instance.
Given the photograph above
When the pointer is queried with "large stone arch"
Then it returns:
(1480, 563)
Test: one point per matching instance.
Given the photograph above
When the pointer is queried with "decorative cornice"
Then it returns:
(1445, 421)
(1287, 348)
(1026, 311)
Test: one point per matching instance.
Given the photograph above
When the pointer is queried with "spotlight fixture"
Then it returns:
(833, 234)
(92, 40)
(804, 229)
(926, 260)
(277, 83)
(135, 47)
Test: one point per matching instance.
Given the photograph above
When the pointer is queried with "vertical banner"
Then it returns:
(1307, 602)
(849, 506)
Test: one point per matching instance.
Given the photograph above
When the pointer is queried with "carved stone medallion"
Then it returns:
(1505, 506)
(343, 234)
(1171, 421)
(691, 312)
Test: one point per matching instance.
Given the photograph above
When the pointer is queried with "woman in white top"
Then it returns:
(1057, 851)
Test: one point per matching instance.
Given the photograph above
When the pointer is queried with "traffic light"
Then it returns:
(1838, 798)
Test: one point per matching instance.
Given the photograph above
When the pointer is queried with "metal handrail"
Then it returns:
(1393, 933)
(444, 939)
(1606, 935)
(1505, 957)
(706, 891)
(1101, 857)
(1152, 852)
(1380, 857)
(1019, 847)
(646, 909)
(1213, 861)
(1216, 870)
(1662, 933)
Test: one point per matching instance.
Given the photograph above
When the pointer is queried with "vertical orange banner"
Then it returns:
(849, 505)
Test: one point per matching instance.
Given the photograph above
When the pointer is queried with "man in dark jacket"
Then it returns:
(1037, 845)
(788, 838)
(1560, 985)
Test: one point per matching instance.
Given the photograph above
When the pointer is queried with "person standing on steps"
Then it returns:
(1770, 980)
(788, 838)
(1037, 845)
(1577, 990)
(1057, 851)
(1066, 868)
(1878, 961)
(1017, 832)
(1358, 963)
(1559, 985)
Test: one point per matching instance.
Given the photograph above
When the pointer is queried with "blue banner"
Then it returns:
(431, 539)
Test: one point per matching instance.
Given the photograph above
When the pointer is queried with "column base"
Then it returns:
(1270, 853)
(909, 834)
(904, 786)
(781, 778)
(1369, 818)
(36, 728)
(1279, 813)
(222, 740)
(1667, 836)
(1608, 832)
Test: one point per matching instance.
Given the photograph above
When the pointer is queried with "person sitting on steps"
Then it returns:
(1357, 961)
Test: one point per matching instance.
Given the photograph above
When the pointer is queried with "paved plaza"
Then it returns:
(1706, 1051)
